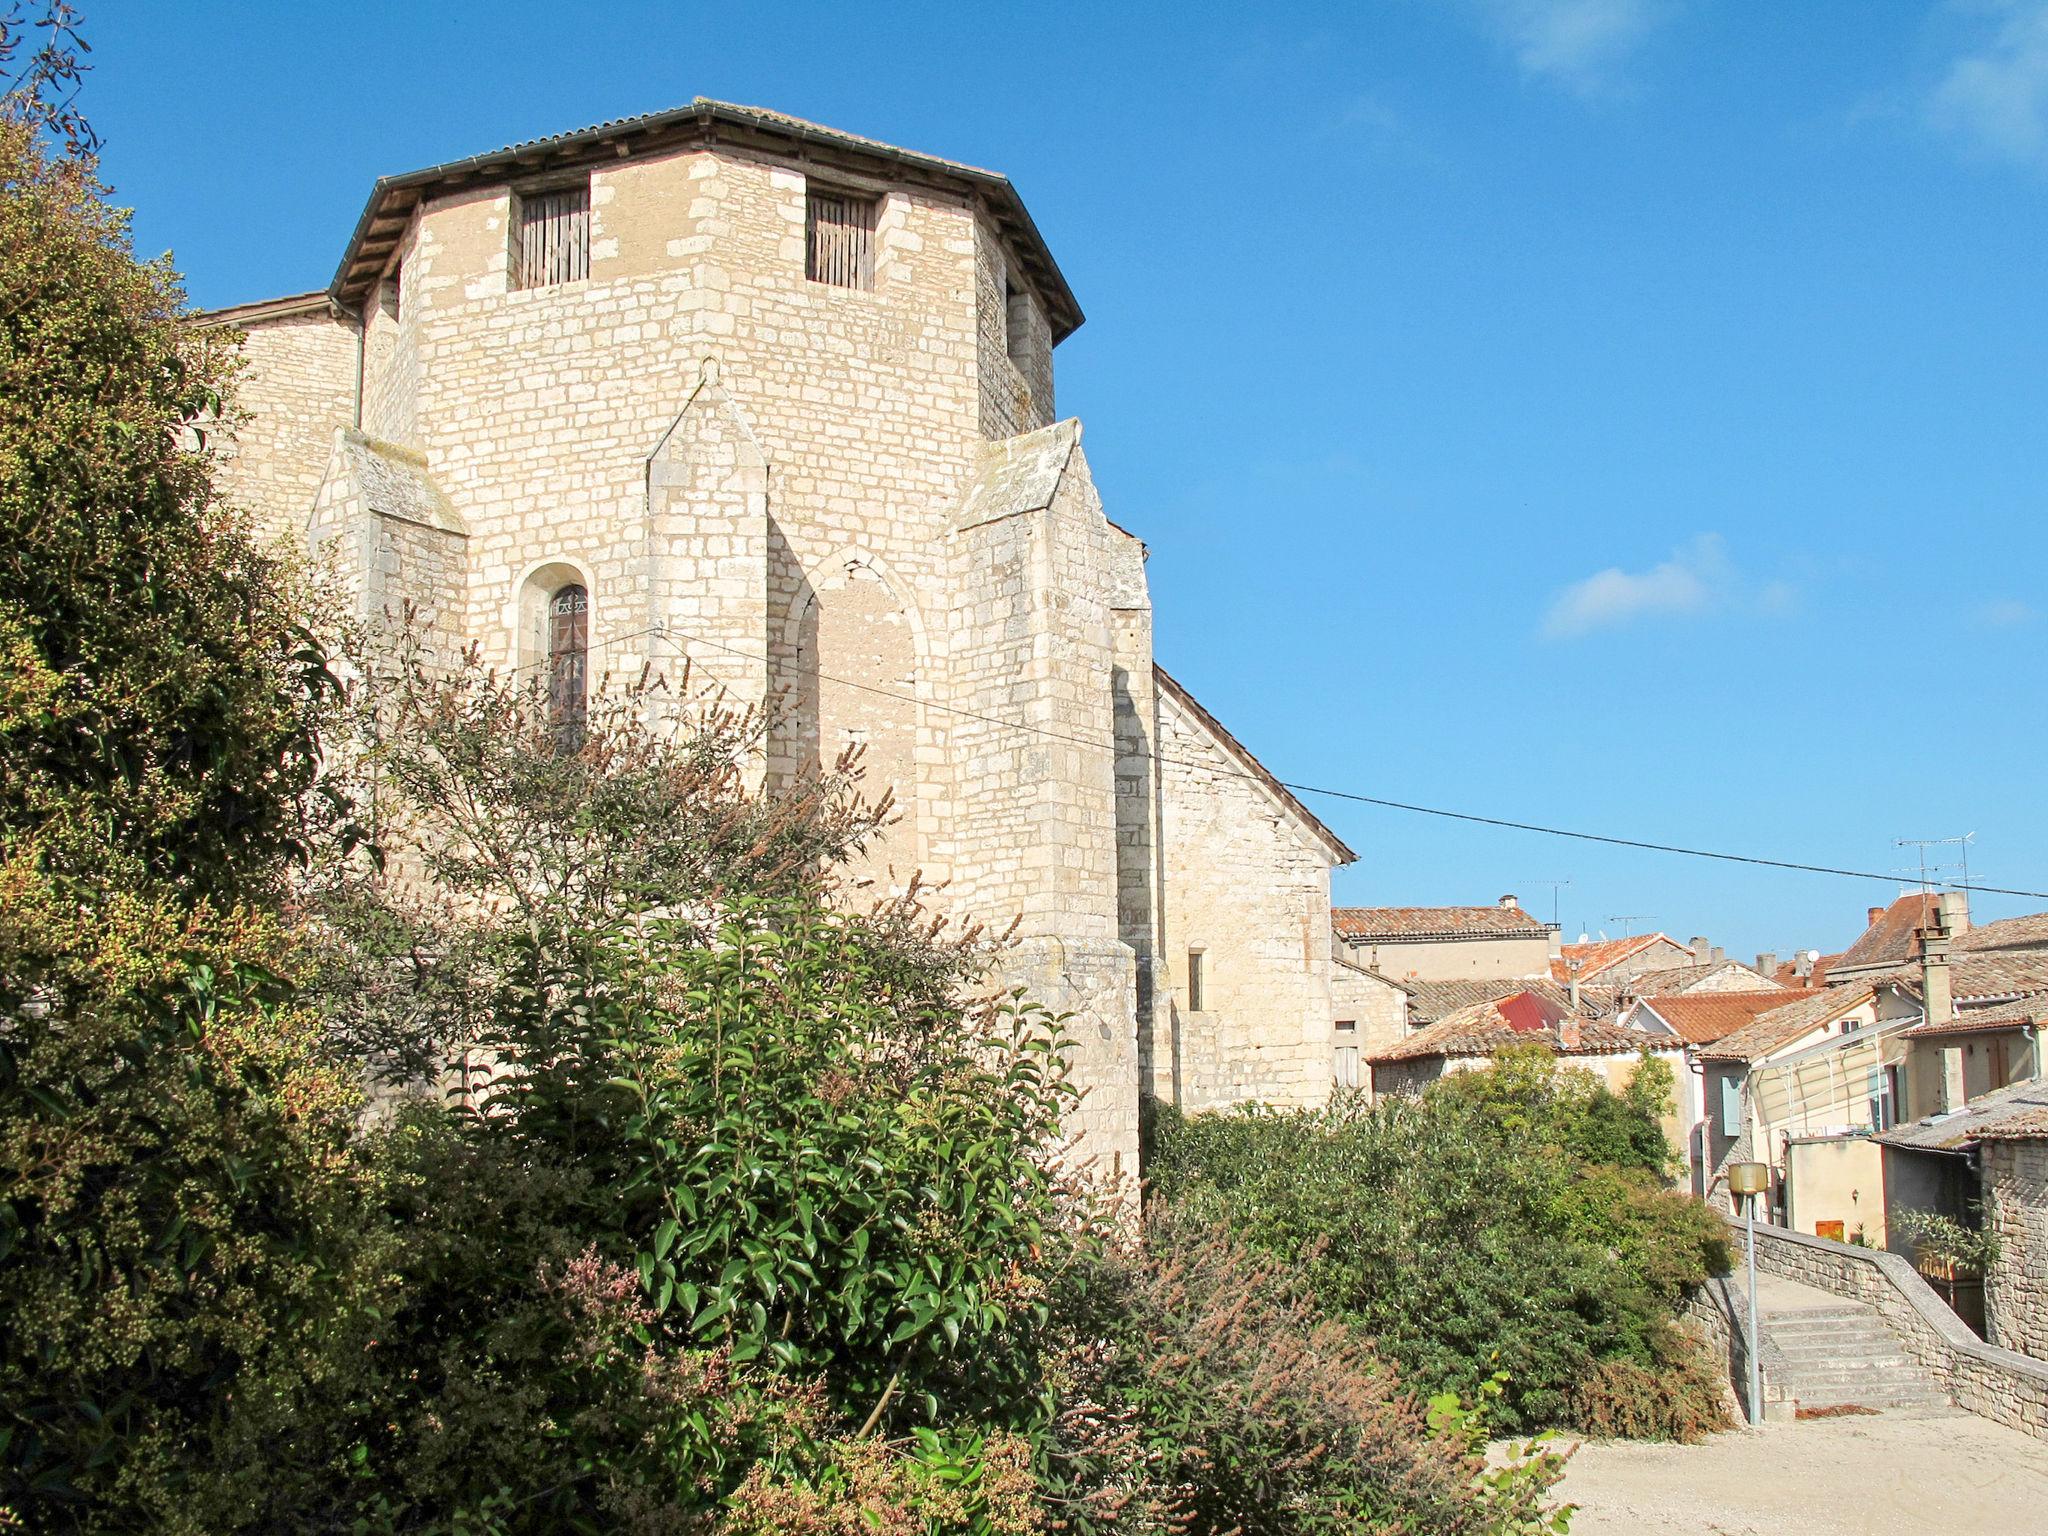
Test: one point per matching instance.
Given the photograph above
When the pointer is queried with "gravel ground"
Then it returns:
(1921, 1473)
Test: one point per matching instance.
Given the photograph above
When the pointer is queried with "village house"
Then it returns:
(1470, 1037)
(1446, 943)
(1716, 974)
(721, 389)
(1617, 962)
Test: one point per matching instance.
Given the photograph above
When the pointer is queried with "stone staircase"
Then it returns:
(1821, 1351)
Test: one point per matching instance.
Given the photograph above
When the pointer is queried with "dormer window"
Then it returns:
(839, 238)
(551, 236)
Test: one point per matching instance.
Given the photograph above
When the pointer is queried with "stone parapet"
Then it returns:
(1997, 1383)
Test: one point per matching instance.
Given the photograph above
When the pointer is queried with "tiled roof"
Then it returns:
(2028, 932)
(1679, 979)
(1782, 1025)
(1484, 1030)
(393, 198)
(1398, 923)
(2019, 1110)
(1891, 938)
(1701, 1018)
(1604, 955)
(2017, 1014)
(2017, 974)
(1429, 1001)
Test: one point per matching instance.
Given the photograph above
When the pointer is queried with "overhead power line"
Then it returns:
(672, 635)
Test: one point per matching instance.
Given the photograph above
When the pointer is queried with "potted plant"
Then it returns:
(1953, 1258)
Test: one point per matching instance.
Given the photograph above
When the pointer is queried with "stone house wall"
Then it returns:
(1376, 1009)
(1247, 886)
(2014, 1177)
(297, 388)
(1488, 958)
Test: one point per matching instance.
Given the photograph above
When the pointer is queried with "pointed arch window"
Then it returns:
(568, 663)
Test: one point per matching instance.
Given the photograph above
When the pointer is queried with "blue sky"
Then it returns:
(1629, 415)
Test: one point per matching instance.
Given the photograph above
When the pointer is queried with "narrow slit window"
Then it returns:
(568, 665)
(552, 241)
(839, 239)
(1197, 1000)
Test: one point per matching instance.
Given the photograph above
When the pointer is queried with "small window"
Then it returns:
(552, 239)
(1347, 1026)
(1016, 319)
(568, 665)
(839, 239)
(1197, 1001)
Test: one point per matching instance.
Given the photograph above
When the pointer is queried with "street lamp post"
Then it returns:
(1751, 1180)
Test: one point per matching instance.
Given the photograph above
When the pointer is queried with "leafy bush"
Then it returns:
(1458, 1235)
(1248, 1408)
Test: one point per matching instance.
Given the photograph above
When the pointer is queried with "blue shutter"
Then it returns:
(1731, 1104)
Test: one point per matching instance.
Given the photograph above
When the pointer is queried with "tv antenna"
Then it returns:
(1628, 920)
(1960, 844)
(1555, 887)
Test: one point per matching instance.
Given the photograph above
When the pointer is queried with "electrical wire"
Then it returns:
(671, 635)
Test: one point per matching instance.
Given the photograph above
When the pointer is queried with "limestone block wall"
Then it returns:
(297, 387)
(1016, 384)
(1246, 886)
(2014, 1178)
(1139, 852)
(1465, 959)
(1374, 1007)
(1998, 1383)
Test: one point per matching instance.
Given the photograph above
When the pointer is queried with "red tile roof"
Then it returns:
(1780, 1026)
(1429, 1001)
(1527, 1018)
(2017, 1014)
(1604, 955)
(2022, 933)
(1891, 938)
(1701, 1018)
(1399, 923)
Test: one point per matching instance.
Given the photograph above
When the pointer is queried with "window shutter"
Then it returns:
(554, 238)
(839, 234)
(1731, 1104)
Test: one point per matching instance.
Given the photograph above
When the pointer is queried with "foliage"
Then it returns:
(1466, 1232)
(173, 1130)
(1970, 1250)
(1244, 1407)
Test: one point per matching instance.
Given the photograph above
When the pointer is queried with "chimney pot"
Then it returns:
(1767, 964)
(1510, 903)
(1702, 951)
(1568, 1032)
(1718, 956)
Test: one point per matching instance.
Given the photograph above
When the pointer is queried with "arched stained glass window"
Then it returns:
(568, 663)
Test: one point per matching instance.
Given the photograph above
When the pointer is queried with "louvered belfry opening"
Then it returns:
(839, 239)
(553, 243)
(568, 665)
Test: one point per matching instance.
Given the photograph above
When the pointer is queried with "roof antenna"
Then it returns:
(1628, 921)
(1555, 887)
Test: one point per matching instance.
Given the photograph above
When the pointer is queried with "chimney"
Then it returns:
(1767, 964)
(1509, 904)
(1937, 1000)
(1571, 991)
(1719, 955)
(1568, 1026)
(1955, 907)
(1702, 951)
(1873, 914)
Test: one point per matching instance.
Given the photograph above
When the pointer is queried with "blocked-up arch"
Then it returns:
(855, 661)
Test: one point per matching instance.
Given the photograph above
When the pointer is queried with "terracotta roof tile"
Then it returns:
(1603, 955)
(1891, 938)
(2017, 1014)
(1701, 1018)
(1676, 980)
(2019, 1110)
(2023, 933)
(1435, 923)
(1429, 1001)
(1974, 977)
(1484, 1029)
(1782, 1025)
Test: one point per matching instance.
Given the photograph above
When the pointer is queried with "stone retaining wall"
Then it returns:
(1997, 1383)
(1719, 1312)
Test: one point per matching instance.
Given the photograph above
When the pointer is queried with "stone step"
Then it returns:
(1922, 1398)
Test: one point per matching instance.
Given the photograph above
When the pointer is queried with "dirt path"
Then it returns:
(1892, 1474)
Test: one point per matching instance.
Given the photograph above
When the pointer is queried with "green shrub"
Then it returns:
(1458, 1234)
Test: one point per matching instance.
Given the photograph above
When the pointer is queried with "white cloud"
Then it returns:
(1996, 99)
(2006, 613)
(1697, 578)
(1576, 43)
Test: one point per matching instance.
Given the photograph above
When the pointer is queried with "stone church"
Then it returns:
(721, 385)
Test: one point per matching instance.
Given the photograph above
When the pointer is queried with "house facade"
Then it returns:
(1446, 943)
(720, 390)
